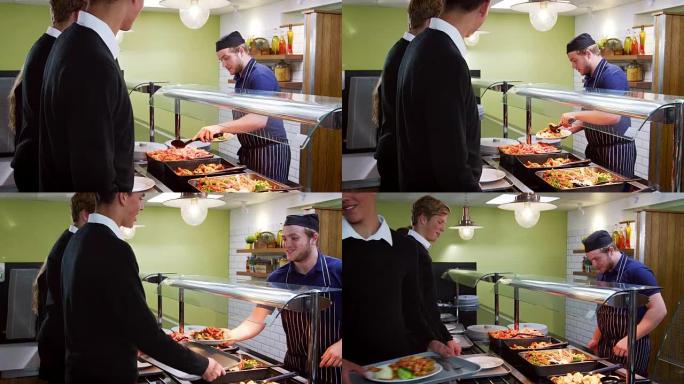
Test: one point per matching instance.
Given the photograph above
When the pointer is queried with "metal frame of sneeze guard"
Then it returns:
(640, 105)
(282, 296)
(615, 295)
(148, 87)
(471, 279)
(498, 86)
(301, 108)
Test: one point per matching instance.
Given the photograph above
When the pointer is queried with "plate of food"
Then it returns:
(244, 182)
(553, 131)
(580, 178)
(583, 378)
(210, 335)
(404, 369)
(485, 362)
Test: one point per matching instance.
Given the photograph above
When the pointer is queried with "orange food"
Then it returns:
(513, 334)
(557, 162)
(175, 154)
(528, 149)
(177, 336)
(202, 169)
(210, 333)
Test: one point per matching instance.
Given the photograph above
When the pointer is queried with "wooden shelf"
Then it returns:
(627, 222)
(252, 274)
(270, 58)
(645, 85)
(263, 251)
(627, 251)
(621, 58)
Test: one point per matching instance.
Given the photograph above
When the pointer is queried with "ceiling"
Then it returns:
(153, 5)
(582, 5)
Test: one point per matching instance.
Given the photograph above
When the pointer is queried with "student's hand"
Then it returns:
(349, 367)
(440, 348)
(207, 133)
(620, 348)
(332, 356)
(454, 346)
(567, 119)
(213, 371)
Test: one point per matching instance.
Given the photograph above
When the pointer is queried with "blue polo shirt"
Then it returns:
(610, 77)
(315, 278)
(261, 78)
(634, 272)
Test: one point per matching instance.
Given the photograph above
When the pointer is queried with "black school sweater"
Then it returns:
(106, 318)
(86, 131)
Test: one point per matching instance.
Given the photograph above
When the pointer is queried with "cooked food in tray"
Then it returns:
(210, 333)
(576, 177)
(534, 345)
(202, 169)
(405, 368)
(553, 131)
(528, 149)
(523, 333)
(549, 163)
(233, 183)
(177, 336)
(175, 154)
(554, 357)
(579, 378)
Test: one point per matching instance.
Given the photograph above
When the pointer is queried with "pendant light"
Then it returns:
(543, 13)
(194, 206)
(466, 228)
(194, 13)
(527, 208)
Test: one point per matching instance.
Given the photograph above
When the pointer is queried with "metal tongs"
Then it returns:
(278, 377)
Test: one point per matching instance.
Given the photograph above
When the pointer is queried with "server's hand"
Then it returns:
(567, 118)
(207, 133)
(440, 348)
(332, 356)
(593, 345)
(214, 370)
(620, 348)
(454, 346)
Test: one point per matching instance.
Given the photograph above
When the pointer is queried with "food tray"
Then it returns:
(618, 185)
(575, 161)
(622, 373)
(180, 183)
(498, 345)
(157, 168)
(275, 186)
(511, 355)
(511, 161)
(559, 369)
(467, 368)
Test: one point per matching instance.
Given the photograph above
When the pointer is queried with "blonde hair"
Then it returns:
(13, 103)
(428, 206)
(376, 108)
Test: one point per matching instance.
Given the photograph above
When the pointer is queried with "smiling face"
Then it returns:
(132, 204)
(358, 206)
(431, 229)
(297, 243)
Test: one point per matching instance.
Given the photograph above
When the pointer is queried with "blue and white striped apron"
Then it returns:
(269, 157)
(605, 147)
(614, 325)
(297, 324)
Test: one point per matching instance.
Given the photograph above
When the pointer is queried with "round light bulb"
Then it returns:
(527, 216)
(195, 16)
(542, 17)
(466, 233)
(193, 212)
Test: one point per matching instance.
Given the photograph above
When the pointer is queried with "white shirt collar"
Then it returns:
(104, 220)
(101, 28)
(383, 233)
(420, 238)
(73, 228)
(408, 36)
(454, 34)
(54, 32)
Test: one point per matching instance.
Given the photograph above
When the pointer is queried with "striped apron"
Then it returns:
(605, 146)
(260, 151)
(297, 324)
(614, 325)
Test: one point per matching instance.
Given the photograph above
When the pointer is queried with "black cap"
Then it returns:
(580, 42)
(597, 240)
(307, 221)
(232, 40)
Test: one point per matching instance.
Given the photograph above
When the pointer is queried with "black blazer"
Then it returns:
(106, 318)
(25, 161)
(386, 150)
(438, 128)
(86, 132)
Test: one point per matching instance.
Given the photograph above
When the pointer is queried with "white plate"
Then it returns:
(490, 145)
(536, 326)
(485, 362)
(226, 136)
(490, 175)
(142, 364)
(496, 186)
(564, 133)
(141, 184)
(370, 375)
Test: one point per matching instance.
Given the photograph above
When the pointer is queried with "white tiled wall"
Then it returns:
(266, 216)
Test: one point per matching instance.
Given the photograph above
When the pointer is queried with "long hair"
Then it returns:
(13, 101)
(376, 114)
(36, 302)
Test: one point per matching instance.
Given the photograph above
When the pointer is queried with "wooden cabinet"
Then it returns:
(330, 240)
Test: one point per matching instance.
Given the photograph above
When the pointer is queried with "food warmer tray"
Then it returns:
(615, 186)
(180, 183)
(559, 369)
(157, 168)
(511, 355)
(276, 186)
(498, 345)
(467, 368)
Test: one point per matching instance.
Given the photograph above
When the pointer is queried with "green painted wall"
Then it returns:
(512, 51)
(160, 48)
(29, 228)
(503, 246)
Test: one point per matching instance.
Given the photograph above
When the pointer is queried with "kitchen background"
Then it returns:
(163, 242)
